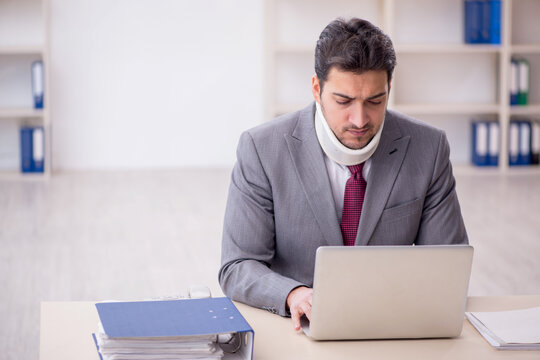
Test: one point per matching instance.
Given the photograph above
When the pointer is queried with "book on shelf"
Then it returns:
(32, 149)
(523, 142)
(37, 84)
(535, 142)
(485, 143)
(519, 81)
(482, 21)
(206, 328)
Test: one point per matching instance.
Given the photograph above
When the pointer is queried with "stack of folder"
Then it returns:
(523, 142)
(483, 21)
(485, 143)
(211, 328)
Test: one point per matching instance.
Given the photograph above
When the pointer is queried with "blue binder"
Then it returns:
(485, 21)
(32, 149)
(514, 82)
(37, 84)
(524, 157)
(176, 318)
(494, 147)
(480, 141)
(513, 143)
(27, 162)
(494, 22)
(535, 142)
(473, 12)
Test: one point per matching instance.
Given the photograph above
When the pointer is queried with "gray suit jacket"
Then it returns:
(280, 207)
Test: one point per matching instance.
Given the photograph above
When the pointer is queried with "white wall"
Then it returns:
(148, 84)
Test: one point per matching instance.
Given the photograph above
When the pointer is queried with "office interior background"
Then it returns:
(145, 102)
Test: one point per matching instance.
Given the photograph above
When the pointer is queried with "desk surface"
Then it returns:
(66, 327)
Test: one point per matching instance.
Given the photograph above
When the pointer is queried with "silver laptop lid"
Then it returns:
(381, 292)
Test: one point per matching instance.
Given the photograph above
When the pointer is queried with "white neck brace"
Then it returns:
(335, 150)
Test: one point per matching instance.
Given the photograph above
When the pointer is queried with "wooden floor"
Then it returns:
(133, 235)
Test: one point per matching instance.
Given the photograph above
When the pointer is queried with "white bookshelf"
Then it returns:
(438, 79)
(23, 39)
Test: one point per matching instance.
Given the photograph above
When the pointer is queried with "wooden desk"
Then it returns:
(66, 329)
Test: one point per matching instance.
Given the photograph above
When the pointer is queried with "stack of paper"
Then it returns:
(173, 329)
(509, 330)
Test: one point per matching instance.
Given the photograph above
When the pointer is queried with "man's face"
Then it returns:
(354, 105)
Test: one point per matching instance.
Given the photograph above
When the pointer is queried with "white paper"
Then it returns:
(513, 327)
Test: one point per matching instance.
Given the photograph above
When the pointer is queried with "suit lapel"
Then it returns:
(307, 157)
(385, 165)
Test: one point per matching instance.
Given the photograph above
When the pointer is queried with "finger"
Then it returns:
(295, 316)
(307, 310)
(296, 320)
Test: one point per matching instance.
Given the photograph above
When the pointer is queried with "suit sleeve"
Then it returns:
(248, 243)
(442, 222)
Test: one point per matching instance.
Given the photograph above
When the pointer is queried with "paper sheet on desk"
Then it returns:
(513, 327)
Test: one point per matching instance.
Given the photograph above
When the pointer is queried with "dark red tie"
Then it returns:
(352, 204)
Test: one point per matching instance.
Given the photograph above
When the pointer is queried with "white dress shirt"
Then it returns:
(338, 175)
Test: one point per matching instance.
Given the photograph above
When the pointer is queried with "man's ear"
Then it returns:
(388, 93)
(316, 88)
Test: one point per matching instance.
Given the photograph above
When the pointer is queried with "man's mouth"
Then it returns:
(358, 132)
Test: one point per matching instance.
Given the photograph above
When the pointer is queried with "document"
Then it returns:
(208, 328)
(509, 330)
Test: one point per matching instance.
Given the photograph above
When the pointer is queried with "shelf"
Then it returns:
(21, 50)
(471, 170)
(11, 113)
(525, 110)
(525, 49)
(439, 78)
(446, 48)
(424, 109)
(418, 49)
(14, 175)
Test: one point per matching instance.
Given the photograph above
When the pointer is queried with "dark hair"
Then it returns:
(355, 45)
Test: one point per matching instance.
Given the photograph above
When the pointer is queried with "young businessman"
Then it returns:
(343, 171)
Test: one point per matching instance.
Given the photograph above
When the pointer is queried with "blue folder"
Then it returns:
(27, 161)
(175, 318)
(524, 157)
(482, 21)
(494, 148)
(37, 84)
(32, 149)
(473, 11)
(494, 22)
(480, 143)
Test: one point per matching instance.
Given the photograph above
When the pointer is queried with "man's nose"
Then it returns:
(358, 116)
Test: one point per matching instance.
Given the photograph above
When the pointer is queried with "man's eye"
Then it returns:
(342, 102)
(375, 102)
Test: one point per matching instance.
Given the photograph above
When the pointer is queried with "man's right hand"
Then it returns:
(299, 303)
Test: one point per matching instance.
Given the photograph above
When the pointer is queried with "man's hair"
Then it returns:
(355, 45)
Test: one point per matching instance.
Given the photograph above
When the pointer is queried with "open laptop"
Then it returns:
(389, 292)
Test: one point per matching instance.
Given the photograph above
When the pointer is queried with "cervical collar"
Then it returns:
(335, 150)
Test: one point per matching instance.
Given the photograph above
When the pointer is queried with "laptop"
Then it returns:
(389, 292)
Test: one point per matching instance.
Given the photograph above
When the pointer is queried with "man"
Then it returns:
(342, 171)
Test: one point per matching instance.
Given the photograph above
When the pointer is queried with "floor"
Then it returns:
(147, 234)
